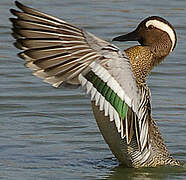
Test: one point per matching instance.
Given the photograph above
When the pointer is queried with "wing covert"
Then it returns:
(59, 52)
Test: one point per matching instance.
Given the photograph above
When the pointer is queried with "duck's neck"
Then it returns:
(144, 58)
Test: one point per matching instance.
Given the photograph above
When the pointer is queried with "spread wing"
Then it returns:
(59, 52)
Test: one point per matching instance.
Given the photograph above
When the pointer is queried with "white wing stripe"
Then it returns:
(82, 80)
(89, 86)
(102, 100)
(106, 107)
(117, 121)
(97, 97)
(111, 112)
(111, 82)
(93, 92)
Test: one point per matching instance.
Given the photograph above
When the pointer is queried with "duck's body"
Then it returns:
(158, 153)
(59, 53)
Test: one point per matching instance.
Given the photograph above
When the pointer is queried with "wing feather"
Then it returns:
(59, 52)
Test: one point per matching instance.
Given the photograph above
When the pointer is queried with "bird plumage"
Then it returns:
(59, 53)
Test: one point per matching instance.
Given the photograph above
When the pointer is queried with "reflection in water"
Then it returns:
(121, 173)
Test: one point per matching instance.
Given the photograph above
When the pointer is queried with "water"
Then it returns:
(48, 133)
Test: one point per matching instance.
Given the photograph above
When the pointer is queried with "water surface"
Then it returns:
(48, 133)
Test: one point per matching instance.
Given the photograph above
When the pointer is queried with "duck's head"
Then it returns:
(154, 32)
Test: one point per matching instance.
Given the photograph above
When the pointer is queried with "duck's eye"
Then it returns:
(151, 27)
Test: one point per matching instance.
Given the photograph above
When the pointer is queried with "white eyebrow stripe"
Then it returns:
(163, 27)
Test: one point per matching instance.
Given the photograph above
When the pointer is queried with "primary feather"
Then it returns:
(59, 52)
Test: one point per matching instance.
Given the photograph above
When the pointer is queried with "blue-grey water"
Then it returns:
(48, 133)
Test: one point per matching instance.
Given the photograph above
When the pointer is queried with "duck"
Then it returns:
(63, 54)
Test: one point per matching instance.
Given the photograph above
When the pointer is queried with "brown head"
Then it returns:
(157, 38)
(150, 32)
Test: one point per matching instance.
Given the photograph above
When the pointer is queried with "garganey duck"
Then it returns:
(61, 53)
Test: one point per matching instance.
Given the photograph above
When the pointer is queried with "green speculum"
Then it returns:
(119, 105)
